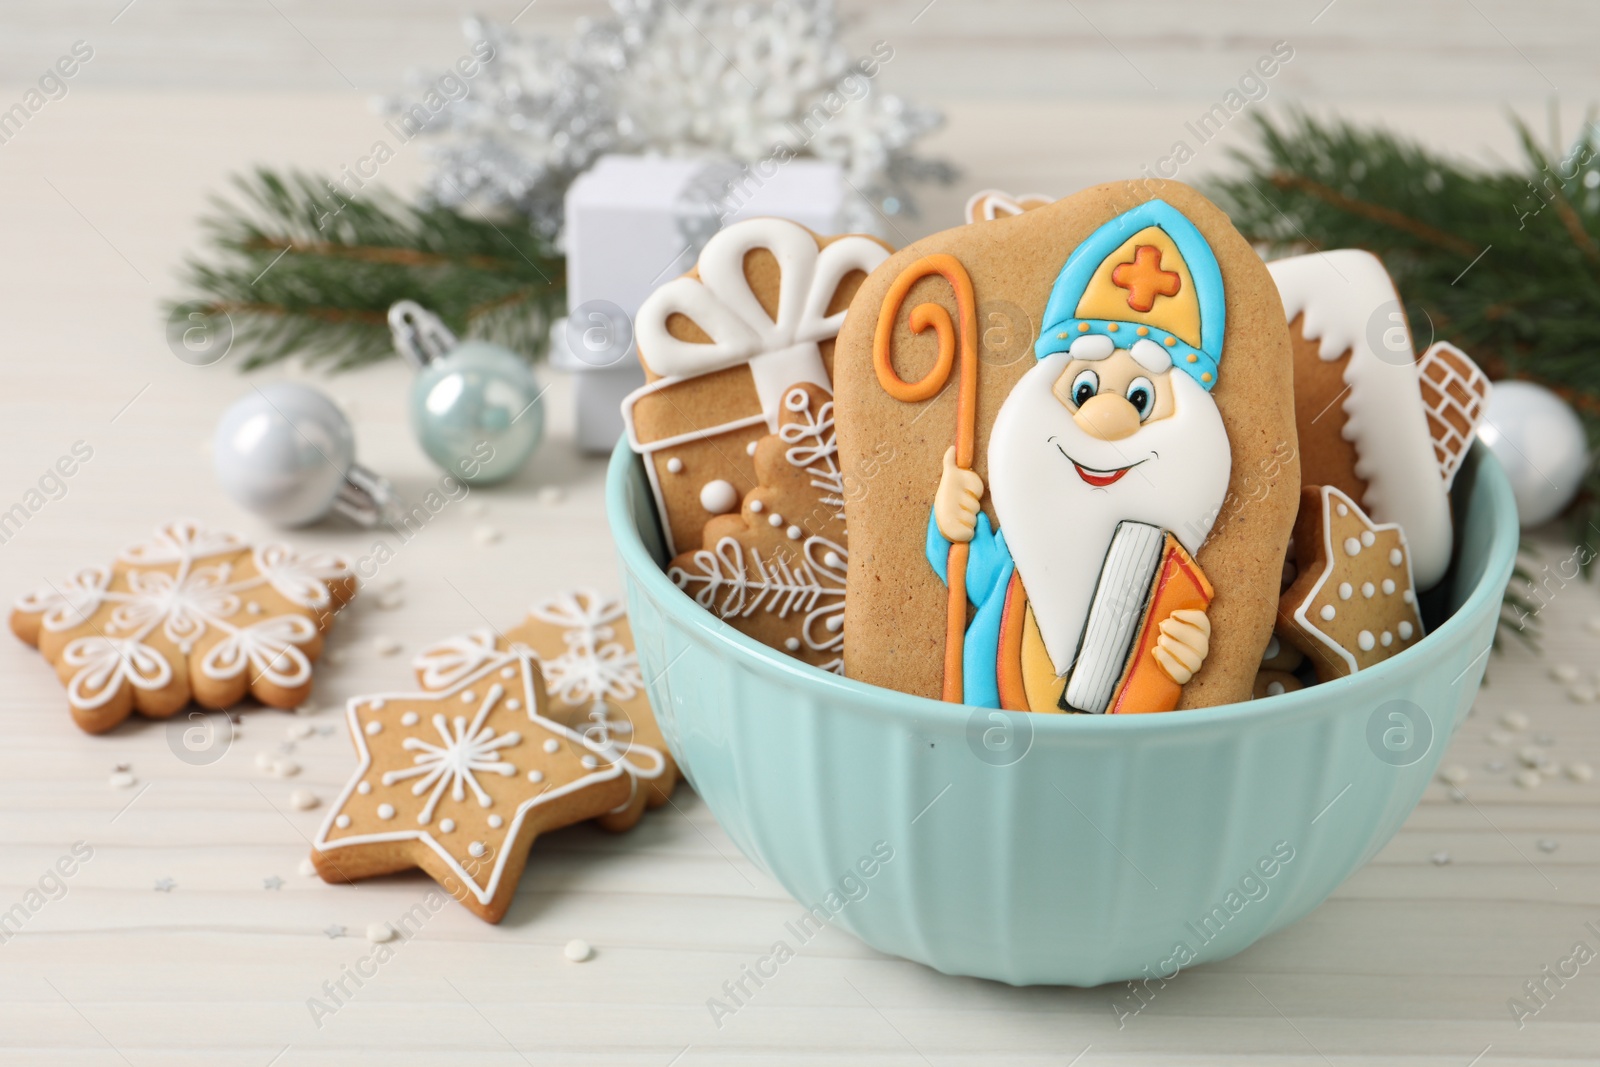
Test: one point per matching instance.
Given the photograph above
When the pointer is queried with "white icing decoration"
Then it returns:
(1386, 638)
(792, 644)
(731, 581)
(794, 533)
(756, 507)
(1274, 689)
(442, 665)
(1365, 640)
(508, 673)
(1152, 357)
(374, 728)
(408, 719)
(468, 697)
(1343, 511)
(1367, 538)
(1368, 589)
(552, 745)
(1328, 613)
(1346, 591)
(1395, 557)
(719, 497)
(364, 788)
(1352, 546)
(513, 703)
(386, 811)
(470, 749)
(1339, 293)
(1406, 630)
(475, 849)
(1388, 586)
(495, 822)
(185, 603)
(674, 465)
(750, 449)
(1092, 346)
(595, 666)
(775, 520)
(589, 762)
(1274, 646)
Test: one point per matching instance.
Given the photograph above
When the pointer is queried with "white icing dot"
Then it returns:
(1368, 589)
(408, 719)
(475, 849)
(794, 533)
(253, 608)
(552, 745)
(377, 703)
(468, 697)
(1273, 648)
(513, 704)
(186, 647)
(374, 728)
(1346, 591)
(1328, 613)
(750, 449)
(342, 822)
(756, 507)
(1396, 557)
(1343, 511)
(1352, 546)
(447, 826)
(508, 672)
(385, 811)
(495, 822)
(1408, 596)
(1386, 639)
(834, 560)
(364, 788)
(589, 763)
(675, 465)
(1367, 537)
(792, 644)
(719, 497)
(1365, 640)
(1388, 586)
(835, 623)
(1405, 631)
(536, 776)
(1274, 689)
(775, 520)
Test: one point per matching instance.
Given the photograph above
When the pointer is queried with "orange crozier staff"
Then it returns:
(928, 386)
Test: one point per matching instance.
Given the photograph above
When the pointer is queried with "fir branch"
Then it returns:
(300, 267)
(1503, 262)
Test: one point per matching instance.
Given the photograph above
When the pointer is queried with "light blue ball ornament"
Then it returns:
(475, 406)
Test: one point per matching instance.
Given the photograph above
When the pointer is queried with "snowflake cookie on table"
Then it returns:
(584, 647)
(458, 780)
(191, 613)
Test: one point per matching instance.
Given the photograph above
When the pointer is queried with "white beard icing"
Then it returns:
(1058, 526)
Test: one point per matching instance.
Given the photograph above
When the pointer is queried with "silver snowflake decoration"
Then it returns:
(740, 81)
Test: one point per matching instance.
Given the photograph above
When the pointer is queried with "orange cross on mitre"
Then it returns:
(1144, 279)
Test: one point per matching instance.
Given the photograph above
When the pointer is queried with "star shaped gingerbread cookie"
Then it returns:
(191, 613)
(585, 651)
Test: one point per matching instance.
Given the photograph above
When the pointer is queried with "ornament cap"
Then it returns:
(366, 498)
(419, 335)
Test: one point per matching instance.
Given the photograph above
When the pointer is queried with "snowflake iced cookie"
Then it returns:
(1354, 603)
(190, 614)
(459, 781)
(721, 346)
(776, 570)
(585, 652)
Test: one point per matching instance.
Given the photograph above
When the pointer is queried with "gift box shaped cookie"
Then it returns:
(1099, 525)
(721, 347)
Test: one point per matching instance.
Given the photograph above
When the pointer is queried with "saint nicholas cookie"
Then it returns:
(190, 614)
(459, 781)
(1101, 527)
(721, 347)
(585, 650)
(1354, 603)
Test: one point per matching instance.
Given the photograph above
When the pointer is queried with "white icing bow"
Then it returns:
(781, 352)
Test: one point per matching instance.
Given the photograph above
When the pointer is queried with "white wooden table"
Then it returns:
(1411, 961)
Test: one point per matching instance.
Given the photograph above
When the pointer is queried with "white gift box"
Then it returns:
(634, 223)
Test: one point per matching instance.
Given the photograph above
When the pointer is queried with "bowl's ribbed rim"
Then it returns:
(926, 713)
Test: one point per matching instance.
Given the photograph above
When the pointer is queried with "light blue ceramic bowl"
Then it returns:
(1057, 849)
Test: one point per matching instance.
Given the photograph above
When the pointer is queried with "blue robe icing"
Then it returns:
(989, 570)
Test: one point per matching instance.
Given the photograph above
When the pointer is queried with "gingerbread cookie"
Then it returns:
(986, 205)
(1047, 542)
(1274, 683)
(1363, 426)
(190, 614)
(1455, 394)
(776, 571)
(585, 650)
(1354, 603)
(721, 347)
(460, 780)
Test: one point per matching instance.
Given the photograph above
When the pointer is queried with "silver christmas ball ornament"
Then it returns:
(475, 406)
(1541, 443)
(287, 453)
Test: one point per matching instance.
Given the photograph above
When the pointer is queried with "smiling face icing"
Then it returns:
(1116, 421)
